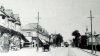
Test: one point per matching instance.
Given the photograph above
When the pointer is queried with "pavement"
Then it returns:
(97, 53)
(57, 51)
(77, 52)
(60, 51)
(83, 52)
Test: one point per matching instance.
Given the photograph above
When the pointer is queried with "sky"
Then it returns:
(60, 16)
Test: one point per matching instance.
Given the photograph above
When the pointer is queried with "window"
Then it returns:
(29, 33)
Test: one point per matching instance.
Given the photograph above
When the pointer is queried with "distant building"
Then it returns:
(89, 39)
(53, 36)
(30, 32)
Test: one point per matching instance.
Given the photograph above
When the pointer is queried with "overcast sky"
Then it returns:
(61, 16)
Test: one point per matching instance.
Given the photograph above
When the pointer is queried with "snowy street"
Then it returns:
(60, 51)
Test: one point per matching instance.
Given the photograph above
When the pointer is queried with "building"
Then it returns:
(9, 30)
(30, 32)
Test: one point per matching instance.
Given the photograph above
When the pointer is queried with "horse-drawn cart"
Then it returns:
(45, 47)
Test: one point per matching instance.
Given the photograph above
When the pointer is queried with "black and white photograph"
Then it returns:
(49, 27)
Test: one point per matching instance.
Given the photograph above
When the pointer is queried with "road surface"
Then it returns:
(60, 51)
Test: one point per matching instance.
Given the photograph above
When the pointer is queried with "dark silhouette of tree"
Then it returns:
(58, 40)
(77, 35)
(83, 43)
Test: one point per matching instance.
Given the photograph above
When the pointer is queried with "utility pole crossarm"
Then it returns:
(91, 15)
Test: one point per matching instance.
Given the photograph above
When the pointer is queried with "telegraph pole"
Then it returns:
(38, 32)
(95, 42)
(91, 30)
